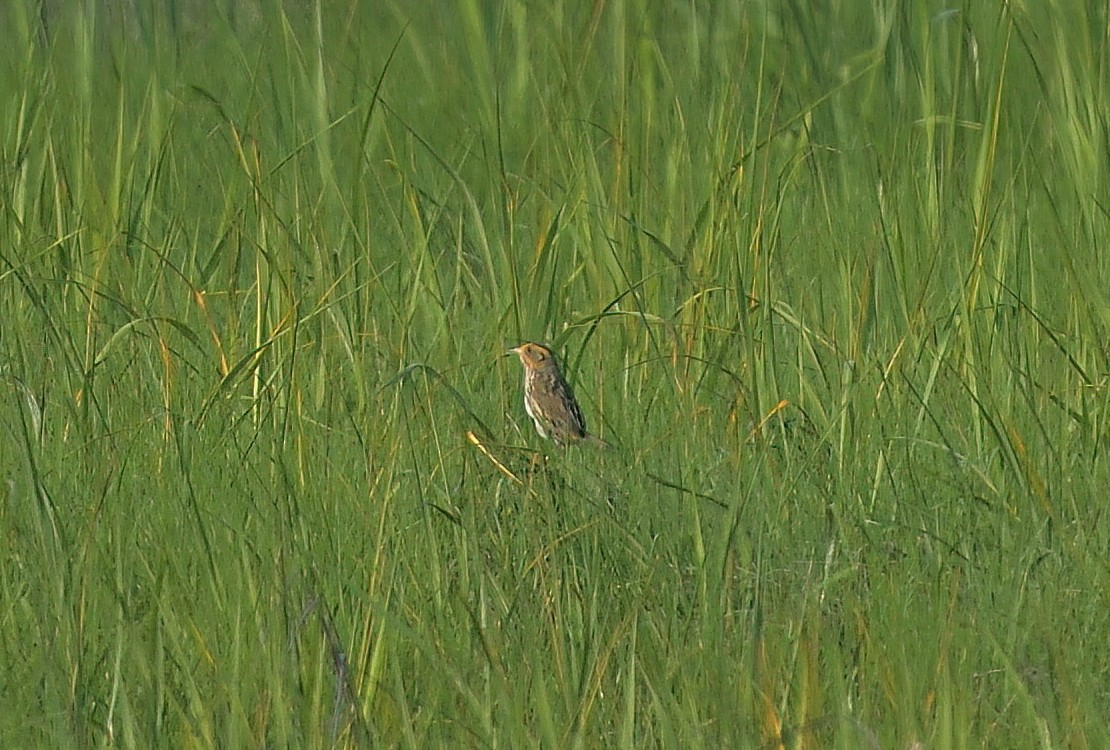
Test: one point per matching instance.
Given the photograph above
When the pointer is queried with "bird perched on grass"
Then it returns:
(548, 398)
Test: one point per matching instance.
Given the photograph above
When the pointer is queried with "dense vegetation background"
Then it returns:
(830, 276)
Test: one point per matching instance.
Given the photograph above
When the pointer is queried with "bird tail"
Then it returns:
(597, 442)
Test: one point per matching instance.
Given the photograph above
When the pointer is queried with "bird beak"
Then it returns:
(515, 351)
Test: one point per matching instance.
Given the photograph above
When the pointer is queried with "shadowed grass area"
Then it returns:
(828, 279)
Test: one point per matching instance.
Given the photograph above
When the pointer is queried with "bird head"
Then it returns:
(535, 356)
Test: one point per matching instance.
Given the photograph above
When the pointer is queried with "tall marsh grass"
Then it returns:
(830, 279)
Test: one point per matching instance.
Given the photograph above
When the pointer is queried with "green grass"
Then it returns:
(831, 280)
